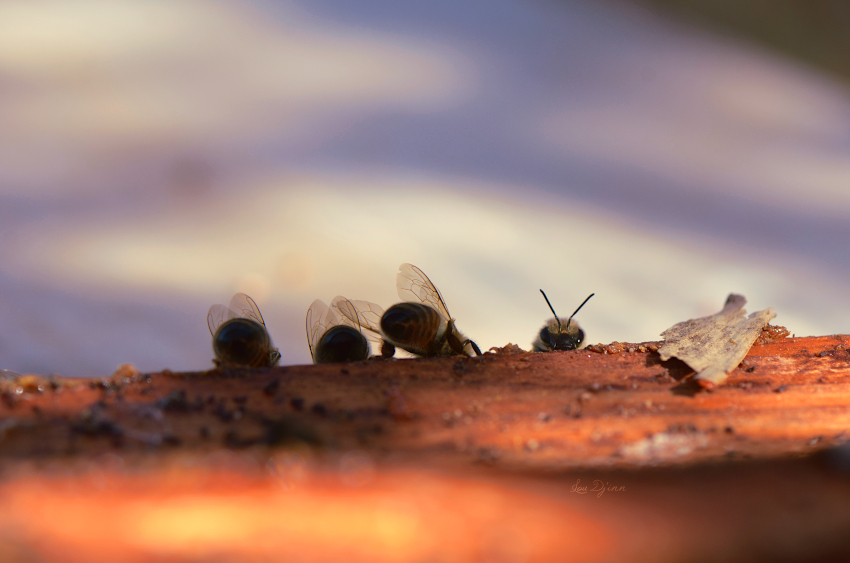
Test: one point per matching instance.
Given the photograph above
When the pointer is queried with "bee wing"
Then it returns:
(244, 306)
(319, 319)
(359, 314)
(414, 285)
(9, 374)
(217, 315)
(362, 315)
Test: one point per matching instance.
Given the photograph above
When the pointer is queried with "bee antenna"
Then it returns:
(307, 324)
(553, 310)
(577, 310)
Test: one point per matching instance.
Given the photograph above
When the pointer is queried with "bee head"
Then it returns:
(557, 336)
(561, 334)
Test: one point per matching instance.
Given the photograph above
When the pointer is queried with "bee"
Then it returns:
(422, 324)
(556, 335)
(336, 333)
(239, 335)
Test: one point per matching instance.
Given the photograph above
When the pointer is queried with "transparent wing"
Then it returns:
(244, 306)
(9, 374)
(319, 319)
(362, 315)
(217, 315)
(414, 285)
(359, 314)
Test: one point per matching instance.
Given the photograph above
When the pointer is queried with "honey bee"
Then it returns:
(422, 324)
(556, 335)
(336, 333)
(239, 335)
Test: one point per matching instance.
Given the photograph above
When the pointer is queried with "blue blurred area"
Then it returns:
(159, 156)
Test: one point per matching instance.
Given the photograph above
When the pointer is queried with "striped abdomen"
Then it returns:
(341, 344)
(243, 342)
(417, 328)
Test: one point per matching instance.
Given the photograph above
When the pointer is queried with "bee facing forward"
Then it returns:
(422, 324)
(560, 334)
(240, 338)
(335, 334)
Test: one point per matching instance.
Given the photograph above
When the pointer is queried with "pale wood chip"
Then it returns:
(713, 346)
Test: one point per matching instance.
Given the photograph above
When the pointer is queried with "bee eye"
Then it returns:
(546, 336)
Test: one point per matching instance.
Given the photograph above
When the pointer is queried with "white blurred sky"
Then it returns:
(156, 157)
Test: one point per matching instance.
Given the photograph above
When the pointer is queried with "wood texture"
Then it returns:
(455, 459)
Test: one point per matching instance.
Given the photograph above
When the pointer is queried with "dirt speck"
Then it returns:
(507, 350)
(771, 333)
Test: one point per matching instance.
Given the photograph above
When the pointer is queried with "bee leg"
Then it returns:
(274, 357)
(387, 350)
(456, 345)
(474, 346)
(453, 340)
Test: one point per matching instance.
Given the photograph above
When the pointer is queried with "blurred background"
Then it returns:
(158, 156)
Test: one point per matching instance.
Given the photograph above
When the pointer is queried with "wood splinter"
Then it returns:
(713, 346)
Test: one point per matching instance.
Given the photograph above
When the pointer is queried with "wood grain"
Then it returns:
(456, 459)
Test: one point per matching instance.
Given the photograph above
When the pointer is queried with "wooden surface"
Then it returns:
(449, 459)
